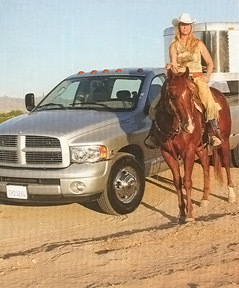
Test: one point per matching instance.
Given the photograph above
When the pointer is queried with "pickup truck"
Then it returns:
(85, 141)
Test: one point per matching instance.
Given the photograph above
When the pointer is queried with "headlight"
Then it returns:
(87, 153)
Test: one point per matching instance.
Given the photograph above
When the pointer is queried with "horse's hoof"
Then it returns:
(232, 199)
(189, 219)
(231, 195)
(204, 203)
(181, 220)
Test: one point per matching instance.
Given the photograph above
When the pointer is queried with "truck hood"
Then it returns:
(62, 122)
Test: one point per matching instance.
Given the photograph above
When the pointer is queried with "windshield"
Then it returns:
(108, 93)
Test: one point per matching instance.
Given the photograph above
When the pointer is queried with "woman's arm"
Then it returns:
(173, 58)
(207, 58)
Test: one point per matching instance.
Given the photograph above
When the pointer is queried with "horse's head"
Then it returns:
(180, 98)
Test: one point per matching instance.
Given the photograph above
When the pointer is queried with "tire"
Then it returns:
(235, 156)
(125, 186)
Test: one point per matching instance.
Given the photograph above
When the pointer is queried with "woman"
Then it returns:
(187, 51)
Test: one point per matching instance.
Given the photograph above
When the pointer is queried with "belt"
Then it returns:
(196, 74)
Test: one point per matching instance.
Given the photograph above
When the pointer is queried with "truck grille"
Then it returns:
(46, 142)
(8, 156)
(30, 150)
(8, 141)
(43, 157)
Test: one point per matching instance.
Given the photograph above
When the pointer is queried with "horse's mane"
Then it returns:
(163, 102)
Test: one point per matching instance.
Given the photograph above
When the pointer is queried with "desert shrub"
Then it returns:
(9, 115)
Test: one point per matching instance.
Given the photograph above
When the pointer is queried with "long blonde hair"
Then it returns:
(192, 42)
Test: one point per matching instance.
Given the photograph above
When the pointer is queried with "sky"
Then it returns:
(44, 41)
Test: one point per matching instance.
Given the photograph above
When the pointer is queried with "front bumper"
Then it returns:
(57, 183)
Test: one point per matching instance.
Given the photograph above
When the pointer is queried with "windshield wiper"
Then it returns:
(52, 104)
(95, 103)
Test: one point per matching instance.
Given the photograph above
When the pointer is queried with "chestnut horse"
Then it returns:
(179, 130)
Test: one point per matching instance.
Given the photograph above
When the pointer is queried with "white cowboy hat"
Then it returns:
(183, 18)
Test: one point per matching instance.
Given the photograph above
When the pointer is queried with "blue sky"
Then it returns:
(44, 41)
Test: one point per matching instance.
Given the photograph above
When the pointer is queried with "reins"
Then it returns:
(172, 133)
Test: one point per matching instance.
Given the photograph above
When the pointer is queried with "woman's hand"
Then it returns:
(168, 66)
(172, 67)
(204, 78)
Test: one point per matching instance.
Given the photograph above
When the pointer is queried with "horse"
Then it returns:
(179, 131)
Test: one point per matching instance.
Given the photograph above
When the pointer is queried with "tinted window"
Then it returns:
(117, 93)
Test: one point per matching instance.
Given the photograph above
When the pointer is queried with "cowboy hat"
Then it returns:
(183, 18)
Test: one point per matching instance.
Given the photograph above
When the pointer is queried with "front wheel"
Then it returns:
(125, 187)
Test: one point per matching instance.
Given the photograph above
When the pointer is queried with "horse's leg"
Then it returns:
(225, 152)
(187, 181)
(174, 166)
(202, 154)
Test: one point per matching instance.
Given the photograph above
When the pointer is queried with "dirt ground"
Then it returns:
(78, 246)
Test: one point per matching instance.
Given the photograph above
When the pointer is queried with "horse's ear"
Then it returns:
(186, 73)
(169, 74)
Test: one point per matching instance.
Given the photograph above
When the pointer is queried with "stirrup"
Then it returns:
(149, 142)
(213, 127)
(215, 141)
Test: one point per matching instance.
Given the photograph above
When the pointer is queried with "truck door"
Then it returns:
(153, 158)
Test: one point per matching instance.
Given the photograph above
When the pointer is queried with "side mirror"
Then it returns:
(30, 101)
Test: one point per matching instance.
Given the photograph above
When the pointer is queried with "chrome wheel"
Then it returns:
(126, 185)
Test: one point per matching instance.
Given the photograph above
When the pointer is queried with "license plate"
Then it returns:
(16, 192)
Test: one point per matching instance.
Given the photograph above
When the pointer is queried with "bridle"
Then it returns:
(173, 132)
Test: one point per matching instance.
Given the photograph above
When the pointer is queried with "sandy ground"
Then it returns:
(79, 246)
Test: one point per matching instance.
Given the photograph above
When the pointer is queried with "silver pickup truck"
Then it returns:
(85, 141)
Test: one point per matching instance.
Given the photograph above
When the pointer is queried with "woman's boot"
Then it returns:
(149, 141)
(214, 133)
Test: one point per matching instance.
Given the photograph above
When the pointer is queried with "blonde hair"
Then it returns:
(192, 42)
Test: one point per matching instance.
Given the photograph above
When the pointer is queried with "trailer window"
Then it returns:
(217, 45)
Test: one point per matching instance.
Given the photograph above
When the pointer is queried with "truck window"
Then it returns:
(101, 92)
(155, 88)
(66, 93)
(132, 85)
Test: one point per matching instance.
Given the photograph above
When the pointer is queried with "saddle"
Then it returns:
(210, 127)
(197, 102)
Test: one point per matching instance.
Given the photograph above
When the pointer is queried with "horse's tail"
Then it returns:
(216, 156)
